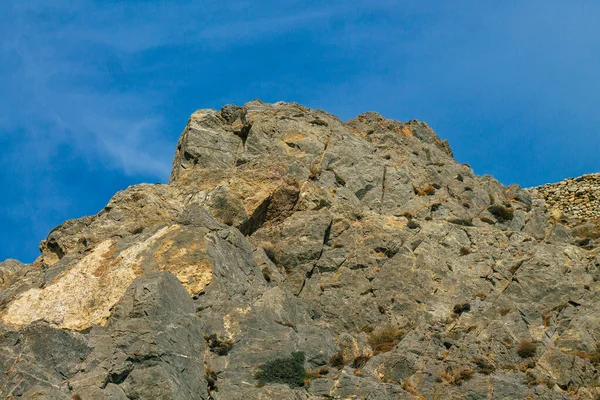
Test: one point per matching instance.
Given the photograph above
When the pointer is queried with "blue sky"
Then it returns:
(95, 93)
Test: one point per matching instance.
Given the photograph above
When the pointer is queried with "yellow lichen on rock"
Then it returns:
(188, 263)
(85, 293)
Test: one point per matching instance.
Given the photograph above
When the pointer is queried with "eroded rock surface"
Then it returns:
(398, 272)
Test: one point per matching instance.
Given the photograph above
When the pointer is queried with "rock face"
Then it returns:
(364, 245)
(575, 202)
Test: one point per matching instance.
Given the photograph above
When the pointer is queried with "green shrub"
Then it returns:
(289, 371)
(501, 213)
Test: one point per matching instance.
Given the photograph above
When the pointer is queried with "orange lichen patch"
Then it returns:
(406, 131)
(292, 142)
(393, 222)
(195, 277)
(356, 131)
(292, 137)
(188, 261)
(104, 267)
(253, 191)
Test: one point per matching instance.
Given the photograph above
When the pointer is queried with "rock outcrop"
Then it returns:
(574, 202)
(396, 271)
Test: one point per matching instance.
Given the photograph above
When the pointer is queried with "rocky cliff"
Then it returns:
(295, 256)
(574, 202)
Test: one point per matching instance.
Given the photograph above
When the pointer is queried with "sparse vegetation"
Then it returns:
(461, 221)
(457, 377)
(461, 308)
(412, 224)
(486, 220)
(289, 371)
(319, 122)
(428, 190)
(526, 348)
(337, 360)
(502, 213)
(367, 329)
(593, 356)
(315, 171)
(385, 339)
(481, 295)
(360, 361)
(504, 311)
(218, 345)
(211, 379)
(483, 366)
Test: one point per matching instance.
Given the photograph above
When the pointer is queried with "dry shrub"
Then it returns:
(218, 345)
(426, 191)
(337, 360)
(458, 309)
(367, 329)
(502, 213)
(504, 311)
(481, 295)
(429, 190)
(211, 379)
(526, 348)
(464, 251)
(484, 366)
(315, 171)
(487, 220)
(411, 224)
(593, 356)
(360, 361)
(385, 339)
(458, 376)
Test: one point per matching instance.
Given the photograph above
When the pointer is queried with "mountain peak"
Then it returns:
(289, 241)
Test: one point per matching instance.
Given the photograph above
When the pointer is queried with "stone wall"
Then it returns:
(573, 200)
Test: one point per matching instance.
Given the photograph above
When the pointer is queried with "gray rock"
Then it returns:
(363, 244)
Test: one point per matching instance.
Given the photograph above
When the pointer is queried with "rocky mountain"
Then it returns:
(575, 202)
(296, 256)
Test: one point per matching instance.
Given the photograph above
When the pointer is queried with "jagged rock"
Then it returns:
(397, 271)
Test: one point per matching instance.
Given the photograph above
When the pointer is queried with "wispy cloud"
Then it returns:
(63, 91)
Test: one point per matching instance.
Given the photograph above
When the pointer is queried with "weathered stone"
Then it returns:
(398, 272)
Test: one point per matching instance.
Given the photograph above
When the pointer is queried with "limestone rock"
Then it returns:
(398, 272)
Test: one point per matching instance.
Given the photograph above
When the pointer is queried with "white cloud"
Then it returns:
(58, 95)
